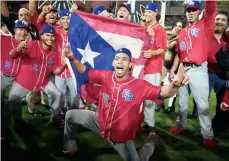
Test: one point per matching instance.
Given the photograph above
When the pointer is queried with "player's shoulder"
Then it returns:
(5, 37)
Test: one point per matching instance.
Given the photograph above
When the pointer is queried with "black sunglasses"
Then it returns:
(191, 10)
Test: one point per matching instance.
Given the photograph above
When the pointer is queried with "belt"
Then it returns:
(8, 75)
(190, 65)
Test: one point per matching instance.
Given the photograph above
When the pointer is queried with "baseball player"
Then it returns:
(192, 48)
(48, 16)
(39, 61)
(10, 67)
(154, 56)
(119, 112)
(64, 81)
(124, 12)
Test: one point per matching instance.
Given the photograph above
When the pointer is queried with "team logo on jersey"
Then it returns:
(153, 40)
(182, 45)
(127, 95)
(50, 63)
(106, 97)
(36, 67)
(195, 32)
(7, 65)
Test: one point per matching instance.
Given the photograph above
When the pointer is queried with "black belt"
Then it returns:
(190, 65)
(8, 75)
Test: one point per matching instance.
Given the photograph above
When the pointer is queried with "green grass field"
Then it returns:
(44, 142)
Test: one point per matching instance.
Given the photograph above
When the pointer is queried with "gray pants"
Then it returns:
(88, 119)
(5, 83)
(65, 84)
(17, 92)
(149, 105)
(199, 86)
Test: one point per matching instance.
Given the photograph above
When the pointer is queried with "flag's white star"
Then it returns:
(88, 55)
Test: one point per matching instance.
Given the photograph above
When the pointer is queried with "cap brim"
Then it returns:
(123, 5)
(23, 27)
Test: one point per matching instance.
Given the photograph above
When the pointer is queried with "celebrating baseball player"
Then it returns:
(192, 48)
(119, 112)
(39, 61)
(10, 67)
(153, 66)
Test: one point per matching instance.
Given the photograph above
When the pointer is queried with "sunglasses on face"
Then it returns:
(191, 10)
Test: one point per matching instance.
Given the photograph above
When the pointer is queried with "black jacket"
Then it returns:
(222, 58)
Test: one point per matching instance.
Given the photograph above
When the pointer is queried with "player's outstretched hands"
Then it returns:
(22, 45)
(181, 78)
(68, 52)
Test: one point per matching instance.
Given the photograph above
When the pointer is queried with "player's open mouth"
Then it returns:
(121, 16)
(119, 69)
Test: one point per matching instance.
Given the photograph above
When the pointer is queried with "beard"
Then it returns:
(219, 28)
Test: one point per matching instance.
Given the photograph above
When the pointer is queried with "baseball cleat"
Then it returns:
(209, 143)
(175, 131)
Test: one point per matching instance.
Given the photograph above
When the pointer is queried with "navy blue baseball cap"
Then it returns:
(192, 4)
(21, 24)
(98, 9)
(125, 51)
(152, 7)
(48, 29)
(126, 5)
(64, 12)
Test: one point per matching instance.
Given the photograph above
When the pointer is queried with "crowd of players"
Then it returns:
(33, 58)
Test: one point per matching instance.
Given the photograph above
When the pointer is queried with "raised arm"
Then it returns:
(81, 68)
(4, 9)
(20, 50)
(209, 14)
(32, 7)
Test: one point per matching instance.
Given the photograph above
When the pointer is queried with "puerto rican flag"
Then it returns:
(94, 40)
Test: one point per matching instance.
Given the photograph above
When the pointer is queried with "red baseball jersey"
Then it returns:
(214, 47)
(37, 65)
(61, 41)
(159, 41)
(119, 109)
(193, 45)
(9, 66)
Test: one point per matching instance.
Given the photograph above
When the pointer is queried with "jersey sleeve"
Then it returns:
(152, 92)
(34, 19)
(209, 14)
(98, 76)
(161, 39)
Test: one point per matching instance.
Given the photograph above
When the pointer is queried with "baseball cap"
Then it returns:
(48, 29)
(54, 9)
(64, 12)
(192, 4)
(126, 5)
(124, 50)
(21, 24)
(152, 7)
(98, 9)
